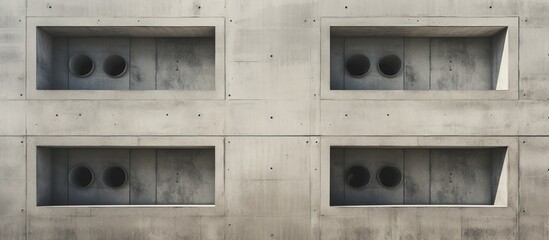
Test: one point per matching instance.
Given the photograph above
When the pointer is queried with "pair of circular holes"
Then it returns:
(359, 65)
(387, 176)
(83, 177)
(82, 65)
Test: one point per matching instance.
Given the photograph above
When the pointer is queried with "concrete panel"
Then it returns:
(417, 63)
(12, 122)
(12, 56)
(533, 13)
(251, 228)
(267, 117)
(99, 49)
(461, 177)
(185, 64)
(268, 198)
(534, 175)
(142, 67)
(60, 174)
(357, 227)
(51, 227)
(489, 227)
(259, 158)
(337, 176)
(337, 63)
(287, 46)
(534, 55)
(461, 64)
(268, 80)
(44, 57)
(98, 160)
(142, 176)
(357, 8)
(533, 227)
(121, 117)
(13, 187)
(269, 63)
(44, 177)
(113, 224)
(533, 118)
(268, 176)
(106, 8)
(185, 177)
(284, 13)
(417, 176)
(13, 8)
(405, 224)
(60, 69)
(422, 117)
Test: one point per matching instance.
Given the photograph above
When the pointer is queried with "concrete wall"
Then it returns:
(274, 121)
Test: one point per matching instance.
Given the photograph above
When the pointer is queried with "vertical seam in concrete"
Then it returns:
(403, 175)
(68, 56)
(130, 64)
(518, 208)
(430, 178)
(130, 176)
(67, 61)
(156, 63)
(26, 205)
(156, 176)
(344, 57)
(404, 71)
(430, 73)
(344, 167)
(518, 211)
(225, 82)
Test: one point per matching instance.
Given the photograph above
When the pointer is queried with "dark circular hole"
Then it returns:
(390, 65)
(81, 176)
(389, 176)
(115, 66)
(357, 177)
(81, 65)
(114, 176)
(358, 65)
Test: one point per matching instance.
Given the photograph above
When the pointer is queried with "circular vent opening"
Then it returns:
(389, 176)
(358, 65)
(81, 176)
(115, 66)
(114, 176)
(390, 65)
(357, 177)
(81, 65)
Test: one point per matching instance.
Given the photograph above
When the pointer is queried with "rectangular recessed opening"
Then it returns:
(418, 176)
(125, 58)
(125, 176)
(419, 58)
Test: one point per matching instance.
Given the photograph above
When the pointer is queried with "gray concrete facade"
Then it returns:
(272, 119)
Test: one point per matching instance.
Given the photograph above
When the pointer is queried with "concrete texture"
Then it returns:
(272, 108)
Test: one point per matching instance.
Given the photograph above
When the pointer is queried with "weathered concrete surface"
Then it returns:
(273, 70)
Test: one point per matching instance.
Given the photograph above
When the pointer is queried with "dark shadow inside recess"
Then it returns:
(418, 58)
(416, 176)
(125, 176)
(125, 58)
